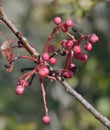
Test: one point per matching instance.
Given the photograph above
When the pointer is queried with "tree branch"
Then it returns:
(84, 102)
(68, 88)
(18, 34)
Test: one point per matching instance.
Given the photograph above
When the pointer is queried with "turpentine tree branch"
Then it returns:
(18, 34)
(84, 102)
(68, 88)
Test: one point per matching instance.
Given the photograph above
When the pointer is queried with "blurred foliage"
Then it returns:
(34, 19)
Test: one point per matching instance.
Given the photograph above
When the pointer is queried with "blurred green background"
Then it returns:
(34, 19)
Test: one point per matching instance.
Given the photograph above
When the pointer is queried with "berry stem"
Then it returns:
(49, 39)
(44, 96)
(29, 58)
(85, 37)
(30, 74)
(68, 61)
(23, 76)
(50, 77)
(71, 36)
(27, 75)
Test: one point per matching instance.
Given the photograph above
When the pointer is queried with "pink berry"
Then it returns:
(46, 119)
(83, 57)
(45, 56)
(69, 23)
(68, 74)
(64, 28)
(88, 46)
(46, 70)
(51, 48)
(69, 44)
(52, 60)
(42, 73)
(20, 89)
(63, 43)
(76, 55)
(57, 20)
(94, 38)
(77, 49)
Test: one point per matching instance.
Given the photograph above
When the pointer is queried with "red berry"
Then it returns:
(57, 20)
(76, 55)
(51, 48)
(68, 74)
(77, 49)
(94, 38)
(69, 23)
(45, 56)
(20, 89)
(52, 60)
(64, 28)
(88, 46)
(42, 73)
(63, 43)
(69, 44)
(83, 57)
(46, 70)
(46, 119)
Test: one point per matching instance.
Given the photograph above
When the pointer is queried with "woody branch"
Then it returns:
(68, 88)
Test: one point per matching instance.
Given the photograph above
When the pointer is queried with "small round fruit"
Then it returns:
(46, 70)
(46, 119)
(19, 90)
(77, 49)
(64, 28)
(74, 29)
(69, 23)
(88, 46)
(52, 60)
(42, 73)
(94, 38)
(51, 48)
(69, 44)
(68, 74)
(63, 43)
(45, 56)
(57, 20)
(83, 57)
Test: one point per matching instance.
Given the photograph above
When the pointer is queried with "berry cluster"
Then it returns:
(71, 48)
